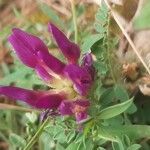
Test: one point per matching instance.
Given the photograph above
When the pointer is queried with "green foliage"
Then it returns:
(134, 132)
(134, 147)
(89, 41)
(51, 14)
(22, 76)
(115, 110)
(101, 19)
(17, 141)
(103, 48)
(144, 16)
(109, 125)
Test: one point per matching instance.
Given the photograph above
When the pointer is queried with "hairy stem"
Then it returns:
(109, 52)
(108, 49)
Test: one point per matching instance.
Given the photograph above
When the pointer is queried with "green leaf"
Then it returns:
(88, 144)
(32, 117)
(89, 41)
(5, 32)
(104, 134)
(72, 146)
(21, 72)
(142, 21)
(107, 96)
(71, 136)
(59, 146)
(57, 132)
(117, 146)
(44, 139)
(101, 148)
(101, 19)
(99, 28)
(134, 147)
(134, 132)
(51, 14)
(17, 141)
(87, 128)
(115, 110)
(17, 13)
(121, 93)
(126, 140)
(101, 67)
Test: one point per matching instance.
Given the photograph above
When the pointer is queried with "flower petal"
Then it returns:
(80, 110)
(33, 98)
(77, 108)
(41, 71)
(70, 50)
(65, 108)
(81, 116)
(34, 43)
(87, 63)
(27, 46)
(87, 60)
(48, 112)
(80, 77)
(52, 62)
(22, 50)
(49, 100)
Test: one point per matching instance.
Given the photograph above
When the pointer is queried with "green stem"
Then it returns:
(74, 21)
(37, 134)
(109, 57)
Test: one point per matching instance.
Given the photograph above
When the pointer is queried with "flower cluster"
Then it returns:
(69, 83)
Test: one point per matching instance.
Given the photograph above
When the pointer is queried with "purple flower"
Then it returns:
(78, 108)
(70, 82)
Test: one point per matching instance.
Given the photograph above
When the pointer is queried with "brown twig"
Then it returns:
(14, 107)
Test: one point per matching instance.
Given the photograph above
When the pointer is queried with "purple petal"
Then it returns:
(80, 109)
(65, 108)
(41, 71)
(34, 43)
(87, 60)
(22, 50)
(33, 98)
(52, 62)
(70, 50)
(83, 103)
(48, 112)
(49, 100)
(87, 63)
(81, 116)
(27, 46)
(80, 77)
(77, 108)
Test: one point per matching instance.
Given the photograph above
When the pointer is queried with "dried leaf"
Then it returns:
(128, 9)
(144, 85)
(130, 71)
(141, 41)
(125, 12)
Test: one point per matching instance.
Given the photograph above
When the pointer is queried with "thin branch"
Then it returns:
(14, 107)
(37, 135)
(127, 37)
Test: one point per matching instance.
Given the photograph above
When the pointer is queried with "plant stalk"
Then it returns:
(74, 21)
(37, 134)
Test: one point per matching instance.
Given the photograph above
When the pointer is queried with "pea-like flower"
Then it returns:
(69, 83)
